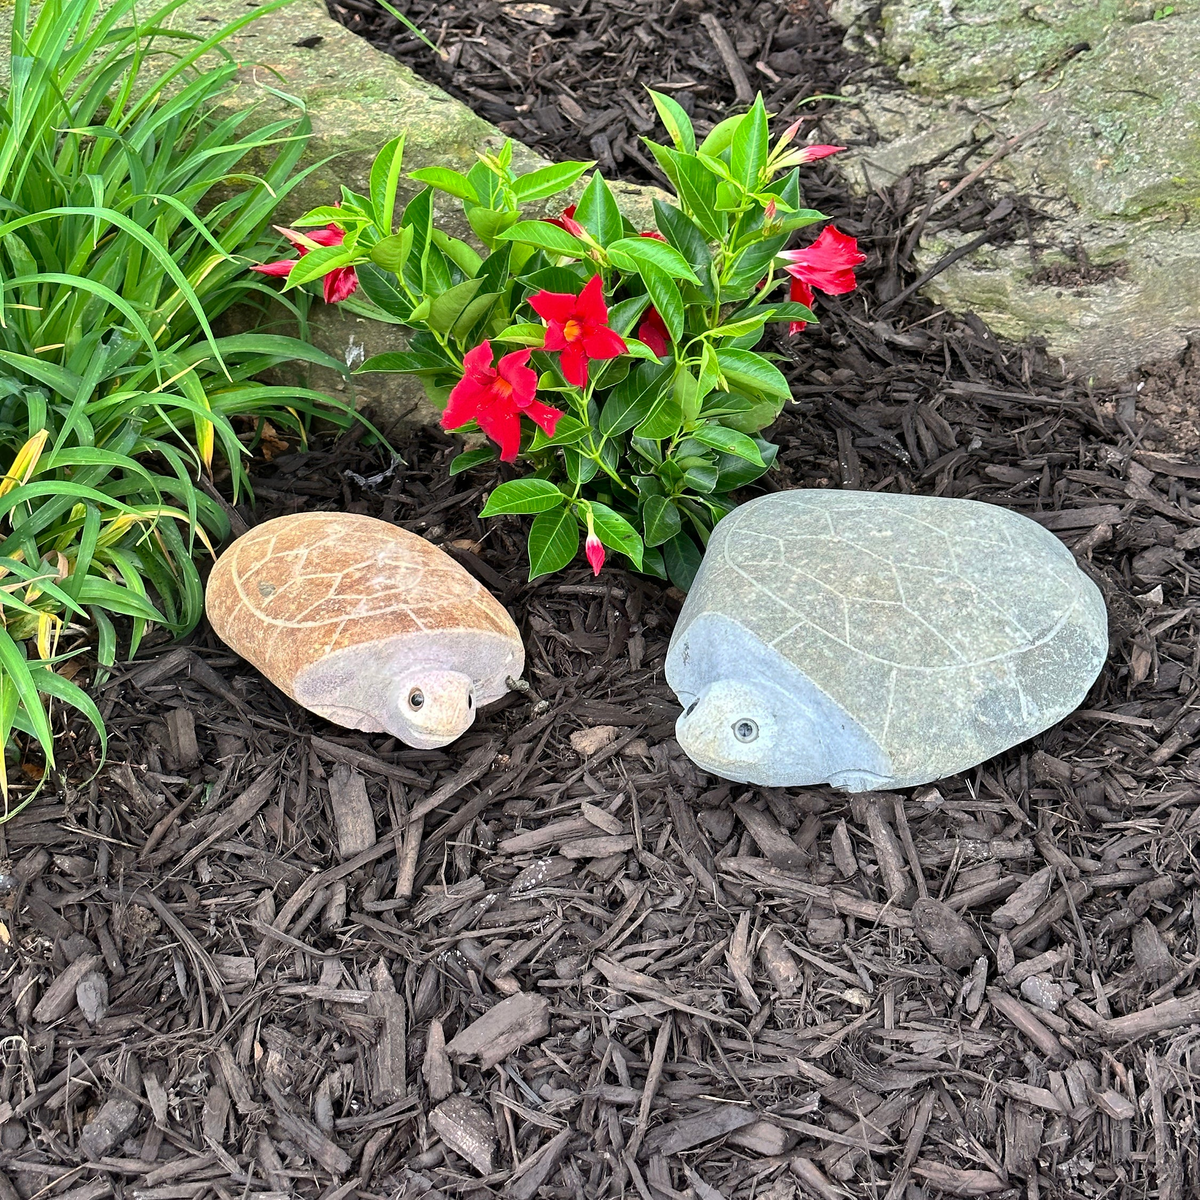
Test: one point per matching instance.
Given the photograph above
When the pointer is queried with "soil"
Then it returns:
(258, 955)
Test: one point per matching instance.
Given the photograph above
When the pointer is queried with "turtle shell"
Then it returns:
(294, 593)
(946, 630)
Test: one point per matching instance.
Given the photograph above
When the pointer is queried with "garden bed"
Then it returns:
(709, 989)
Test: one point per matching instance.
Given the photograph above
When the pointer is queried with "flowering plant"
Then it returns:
(630, 352)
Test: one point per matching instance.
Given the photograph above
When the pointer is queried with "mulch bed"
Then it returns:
(259, 956)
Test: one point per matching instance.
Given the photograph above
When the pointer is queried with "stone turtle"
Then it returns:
(872, 640)
(365, 624)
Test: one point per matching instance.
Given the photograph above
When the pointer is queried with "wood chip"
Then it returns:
(467, 1130)
(505, 1027)
(353, 817)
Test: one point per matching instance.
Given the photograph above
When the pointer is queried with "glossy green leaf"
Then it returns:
(750, 372)
(749, 146)
(729, 441)
(664, 293)
(638, 251)
(632, 400)
(660, 519)
(546, 237)
(598, 213)
(678, 123)
(523, 496)
(472, 458)
(548, 181)
(392, 252)
(553, 541)
(615, 532)
(445, 309)
(682, 560)
(446, 180)
(385, 178)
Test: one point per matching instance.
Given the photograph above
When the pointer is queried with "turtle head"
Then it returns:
(429, 707)
(731, 729)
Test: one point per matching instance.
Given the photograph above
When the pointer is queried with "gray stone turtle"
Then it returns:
(872, 640)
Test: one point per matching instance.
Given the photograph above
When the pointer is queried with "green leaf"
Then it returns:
(623, 315)
(666, 298)
(615, 532)
(676, 120)
(598, 213)
(385, 178)
(721, 136)
(553, 541)
(698, 190)
(458, 252)
(490, 223)
(683, 233)
(661, 521)
(547, 181)
(392, 252)
(750, 372)
(663, 421)
(735, 329)
(318, 263)
(738, 472)
(567, 432)
(546, 237)
(682, 560)
(632, 400)
(472, 458)
(472, 315)
(522, 335)
(749, 146)
(523, 496)
(448, 307)
(641, 250)
(701, 477)
(446, 180)
(780, 310)
(729, 441)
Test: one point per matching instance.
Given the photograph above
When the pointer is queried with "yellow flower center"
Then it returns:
(572, 330)
(502, 388)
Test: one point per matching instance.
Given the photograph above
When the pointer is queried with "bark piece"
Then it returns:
(439, 1075)
(215, 1118)
(467, 1130)
(181, 734)
(507, 1026)
(1112, 1104)
(91, 994)
(108, 1128)
(537, 1168)
(1025, 901)
(704, 1127)
(1150, 952)
(763, 1138)
(59, 997)
(1042, 991)
(390, 1052)
(598, 847)
(770, 838)
(945, 934)
(352, 814)
(780, 963)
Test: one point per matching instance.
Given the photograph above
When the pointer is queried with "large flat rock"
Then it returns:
(1107, 99)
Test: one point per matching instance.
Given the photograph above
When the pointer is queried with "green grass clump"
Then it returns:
(129, 212)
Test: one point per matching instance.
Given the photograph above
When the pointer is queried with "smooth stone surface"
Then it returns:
(1114, 161)
(872, 640)
(365, 624)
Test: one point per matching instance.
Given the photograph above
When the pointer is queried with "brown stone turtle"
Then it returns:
(365, 624)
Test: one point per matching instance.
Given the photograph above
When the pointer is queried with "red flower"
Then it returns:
(495, 397)
(565, 221)
(592, 547)
(653, 332)
(338, 284)
(652, 233)
(827, 265)
(578, 326)
(801, 293)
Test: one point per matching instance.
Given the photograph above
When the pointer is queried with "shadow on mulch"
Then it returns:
(262, 956)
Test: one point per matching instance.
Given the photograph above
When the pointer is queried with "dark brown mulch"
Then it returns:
(262, 956)
(569, 78)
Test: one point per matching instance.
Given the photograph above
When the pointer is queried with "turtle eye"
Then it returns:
(691, 708)
(745, 730)
(416, 698)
